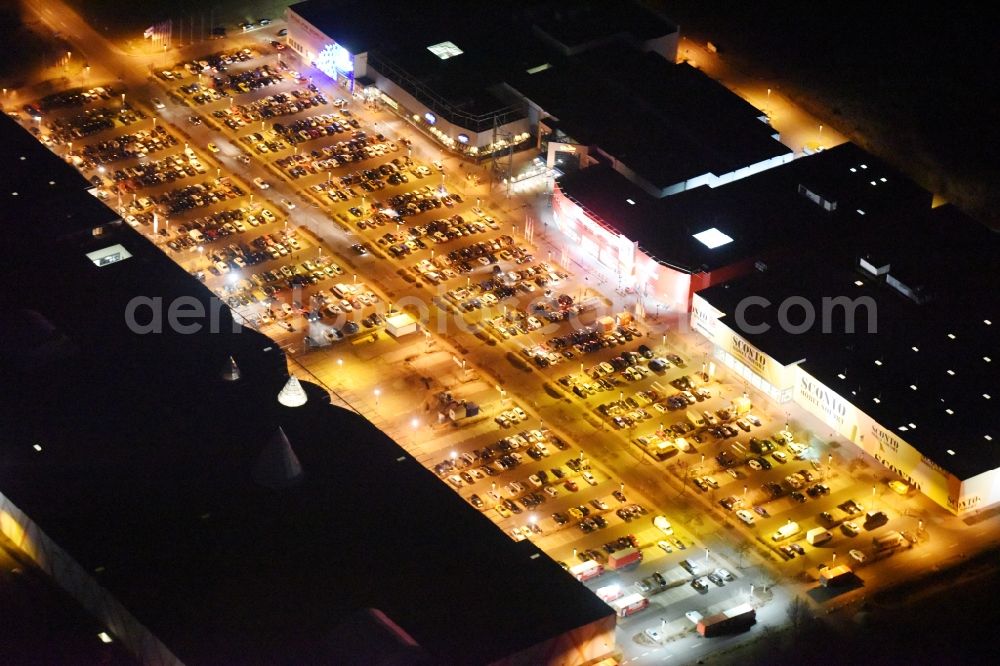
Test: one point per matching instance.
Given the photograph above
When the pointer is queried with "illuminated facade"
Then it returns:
(624, 262)
(785, 383)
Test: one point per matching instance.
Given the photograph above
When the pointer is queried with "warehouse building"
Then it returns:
(888, 335)
(159, 480)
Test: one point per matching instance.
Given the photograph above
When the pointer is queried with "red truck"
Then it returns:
(623, 558)
(736, 619)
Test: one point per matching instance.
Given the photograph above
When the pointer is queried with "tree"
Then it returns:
(798, 612)
(742, 548)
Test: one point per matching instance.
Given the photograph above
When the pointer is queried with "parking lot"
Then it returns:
(310, 221)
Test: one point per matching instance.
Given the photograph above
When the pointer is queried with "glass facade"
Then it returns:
(778, 394)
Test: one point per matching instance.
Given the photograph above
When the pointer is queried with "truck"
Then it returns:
(834, 576)
(818, 536)
(629, 604)
(834, 517)
(623, 558)
(739, 618)
(609, 593)
(586, 570)
(789, 529)
(888, 540)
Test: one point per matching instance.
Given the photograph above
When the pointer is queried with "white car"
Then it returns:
(288, 205)
(662, 524)
(521, 416)
(754, 465)
(588, 476)
(551, 492)
(287, 309)
(746, 516)
(158, 103)
(858, 555)
(261, 183)
(654, 634)
(665, 546)
(780, 456)
(851, 528)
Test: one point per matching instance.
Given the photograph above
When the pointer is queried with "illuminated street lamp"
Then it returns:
(378, 392)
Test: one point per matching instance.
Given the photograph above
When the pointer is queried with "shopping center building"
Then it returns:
(204, 509)
(667, 248)
(447, 71)
(888, 334)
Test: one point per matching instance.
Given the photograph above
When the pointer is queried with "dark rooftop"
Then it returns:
(578, 24)
(461, 88)
(502, 40)
(145, 478)
(926, 358)
(763, 213)
(666, 122)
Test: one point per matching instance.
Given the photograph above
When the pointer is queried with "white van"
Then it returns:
(787, 530)
(818, 536)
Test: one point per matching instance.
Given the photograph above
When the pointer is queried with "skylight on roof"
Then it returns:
(445, 50)
(108, 255)
(713, 238)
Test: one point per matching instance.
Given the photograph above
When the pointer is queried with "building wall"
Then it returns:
(583, 645)
(78, 583)
(303, 38)
(665, 45)
(409, 104)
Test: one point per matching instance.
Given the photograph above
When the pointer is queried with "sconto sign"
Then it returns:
(817, 395)
(754, 358)
(886, 440)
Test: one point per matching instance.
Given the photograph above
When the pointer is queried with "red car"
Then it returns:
(571, 486)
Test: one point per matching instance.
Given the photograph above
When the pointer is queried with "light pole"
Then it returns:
(378, 393)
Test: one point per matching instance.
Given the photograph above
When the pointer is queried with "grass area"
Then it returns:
(32, 48)
(906, 83)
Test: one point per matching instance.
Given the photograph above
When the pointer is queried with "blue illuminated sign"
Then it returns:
(335, 59)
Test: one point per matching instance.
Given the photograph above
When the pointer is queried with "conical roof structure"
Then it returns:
(231, 371)
(292, 394)
(278, 466)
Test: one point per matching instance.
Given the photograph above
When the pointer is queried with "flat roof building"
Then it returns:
(888, 334)
(667, 248)
(202, 522)
(445, 69)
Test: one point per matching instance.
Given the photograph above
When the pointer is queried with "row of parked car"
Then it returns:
(127, 146)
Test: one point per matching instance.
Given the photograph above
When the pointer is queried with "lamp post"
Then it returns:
(378, 393)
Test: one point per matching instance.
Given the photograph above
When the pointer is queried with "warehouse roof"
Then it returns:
(762, 214)
(144, 473)
(666, 122)
(928, 372)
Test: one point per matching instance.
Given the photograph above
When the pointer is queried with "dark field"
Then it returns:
(914, 84)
